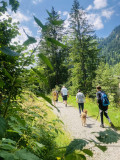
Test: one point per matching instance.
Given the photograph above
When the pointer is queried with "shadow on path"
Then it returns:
(90, 125)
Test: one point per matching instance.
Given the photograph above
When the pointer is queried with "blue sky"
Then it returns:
(103, 14)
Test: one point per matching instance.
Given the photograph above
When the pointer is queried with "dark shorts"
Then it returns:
(65, 97)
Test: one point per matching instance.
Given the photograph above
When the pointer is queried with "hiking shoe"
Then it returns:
(112, 125)
(102, 125)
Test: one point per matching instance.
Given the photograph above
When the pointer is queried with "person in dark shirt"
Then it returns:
(102, 109)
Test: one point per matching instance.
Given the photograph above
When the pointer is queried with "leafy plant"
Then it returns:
(3, 127)
(104, 137)
(76, 144)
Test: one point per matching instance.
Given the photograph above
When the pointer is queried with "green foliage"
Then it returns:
(39, 23)
(45, 97)
(83, 58)
(57, 43)
(29, 134)
(45, 60)
(17, 125)
(8, 51)
(53, 48)
(26, 155)
(9, 61)
(2, 127)
(104, 137)
(7, 156)
(76, 144)
(41, 76)
(55, 22)
(29, 41)
(88, 152)
(20, 154)
(110, 51)
(7, 74)
(3, 7)
(75, 156)
(13, 3)
(8, 144)
(8, 31)
(107, 77)
(1, 83)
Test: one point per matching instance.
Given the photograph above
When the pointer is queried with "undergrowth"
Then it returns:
(32, 131)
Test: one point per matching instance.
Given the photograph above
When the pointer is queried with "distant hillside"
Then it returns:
(111, 47)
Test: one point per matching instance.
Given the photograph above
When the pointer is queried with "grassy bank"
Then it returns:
(92, 108)
(35, 130)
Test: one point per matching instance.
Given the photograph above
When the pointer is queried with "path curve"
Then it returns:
(72, 124)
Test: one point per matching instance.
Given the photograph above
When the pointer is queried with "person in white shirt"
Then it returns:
(65, 94)
(80, 98)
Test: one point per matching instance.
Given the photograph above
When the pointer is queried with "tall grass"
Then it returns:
(51, 123)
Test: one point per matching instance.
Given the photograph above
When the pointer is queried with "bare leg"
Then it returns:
(66, 103)
(54, 103)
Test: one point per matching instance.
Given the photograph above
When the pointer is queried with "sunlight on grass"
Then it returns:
(63, 138)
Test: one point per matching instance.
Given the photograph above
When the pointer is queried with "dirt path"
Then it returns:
(72, 123)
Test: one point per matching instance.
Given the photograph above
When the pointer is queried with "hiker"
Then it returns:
(64, 94)
(80, 98)
(54, 97)
(103, 105)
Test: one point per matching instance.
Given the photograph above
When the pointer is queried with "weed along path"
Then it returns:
(72, 123)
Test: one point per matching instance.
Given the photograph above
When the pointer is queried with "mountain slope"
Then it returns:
(110, 47)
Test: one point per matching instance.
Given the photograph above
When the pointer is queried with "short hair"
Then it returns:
(98, 87)
(78, 90)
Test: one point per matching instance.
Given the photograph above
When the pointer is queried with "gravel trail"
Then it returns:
(72, 123)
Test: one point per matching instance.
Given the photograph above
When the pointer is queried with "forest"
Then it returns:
(74, 57)
(110, 47)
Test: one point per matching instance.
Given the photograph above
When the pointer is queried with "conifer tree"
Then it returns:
(83, 55)
(55, 53)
